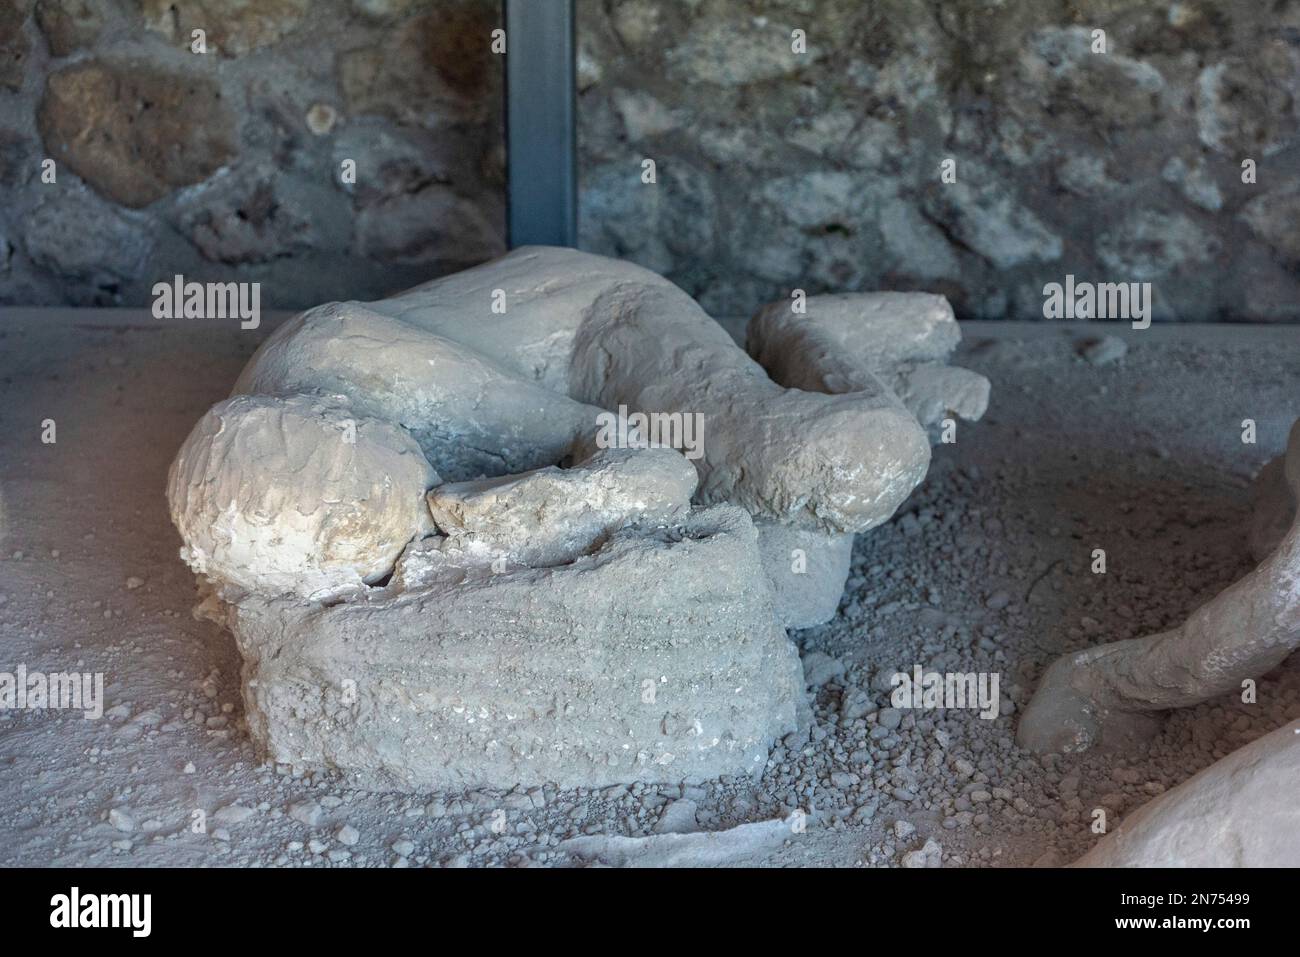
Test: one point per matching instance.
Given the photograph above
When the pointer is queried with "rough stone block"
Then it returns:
(135, 132)
(654, 659)
(807, 570)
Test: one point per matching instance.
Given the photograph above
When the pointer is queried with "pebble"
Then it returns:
(1104, 350)
(121, 819)
(998, 600)
(306, 812)
(233, 814)
(930, 855)
(819, 668)
(678, 818)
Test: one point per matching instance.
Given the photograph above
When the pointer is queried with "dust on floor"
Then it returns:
(987, 569)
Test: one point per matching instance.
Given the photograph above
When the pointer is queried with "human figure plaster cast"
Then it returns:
(597, 333)
(489, 393)
(891, 346)
(877, 343)
(1247, 630)
(1241, 811)
(607, 621)
(297, 495)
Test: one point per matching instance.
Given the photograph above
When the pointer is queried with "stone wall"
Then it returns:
(230, 164)
(822, 170)
(774, 169)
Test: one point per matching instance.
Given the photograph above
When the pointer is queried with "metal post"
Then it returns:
(541, 139)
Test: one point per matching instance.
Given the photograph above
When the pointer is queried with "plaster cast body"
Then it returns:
(297, 495)
(1241, 811)
(1244, 632)
(553, 515)
(889, 348)
(601, 333)
(558, 611)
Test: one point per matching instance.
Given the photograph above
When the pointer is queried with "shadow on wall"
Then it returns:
(332, 149)
(805, 145)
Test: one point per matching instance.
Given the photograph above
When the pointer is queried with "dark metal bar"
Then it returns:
(541, 138)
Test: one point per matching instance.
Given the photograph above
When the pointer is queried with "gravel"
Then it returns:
(1142, 458)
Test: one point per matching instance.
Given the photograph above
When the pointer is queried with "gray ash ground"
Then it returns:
(985, 569)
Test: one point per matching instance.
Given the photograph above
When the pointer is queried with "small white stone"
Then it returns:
(306, 812)
(233, 814)
(121, 819)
